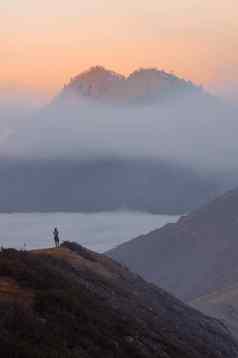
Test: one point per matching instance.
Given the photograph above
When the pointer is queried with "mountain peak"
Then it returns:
(141, 86)
(96, 72)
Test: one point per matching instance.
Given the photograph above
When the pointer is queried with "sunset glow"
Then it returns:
(45, 43)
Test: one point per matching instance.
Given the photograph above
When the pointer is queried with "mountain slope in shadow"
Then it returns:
(193, 257)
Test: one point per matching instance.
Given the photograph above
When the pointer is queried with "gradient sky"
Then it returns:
(43, 43)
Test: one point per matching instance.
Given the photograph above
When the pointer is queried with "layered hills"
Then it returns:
(71, 302)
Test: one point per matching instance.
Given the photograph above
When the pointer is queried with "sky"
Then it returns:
(44, 43)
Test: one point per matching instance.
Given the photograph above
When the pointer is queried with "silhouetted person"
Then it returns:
(56, 237)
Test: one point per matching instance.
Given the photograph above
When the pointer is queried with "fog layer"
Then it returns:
(196, 131)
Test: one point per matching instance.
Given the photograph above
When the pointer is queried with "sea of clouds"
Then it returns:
(196, 132)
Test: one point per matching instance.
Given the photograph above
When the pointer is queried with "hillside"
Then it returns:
(193, 257)
(71, 302)
(222, 304)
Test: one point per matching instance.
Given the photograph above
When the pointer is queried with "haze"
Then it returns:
(192, 131)
(44, 43)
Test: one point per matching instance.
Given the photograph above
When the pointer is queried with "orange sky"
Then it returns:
(43, 44)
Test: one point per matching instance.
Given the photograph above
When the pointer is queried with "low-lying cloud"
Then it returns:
(197, 132)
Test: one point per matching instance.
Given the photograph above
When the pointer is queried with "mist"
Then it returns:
(199, 132)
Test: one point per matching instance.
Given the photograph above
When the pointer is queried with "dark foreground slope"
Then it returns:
(73, 303)
(195, 256)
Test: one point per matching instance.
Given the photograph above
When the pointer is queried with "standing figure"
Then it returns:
(56, 237)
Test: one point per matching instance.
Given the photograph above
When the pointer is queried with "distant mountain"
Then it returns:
(71, 302)
(101, 185)
(96, 156)
(140, 87)
(193, 257)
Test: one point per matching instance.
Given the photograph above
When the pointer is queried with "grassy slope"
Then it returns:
(71, 302)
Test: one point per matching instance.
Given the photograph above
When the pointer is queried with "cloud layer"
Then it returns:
(197, 132)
